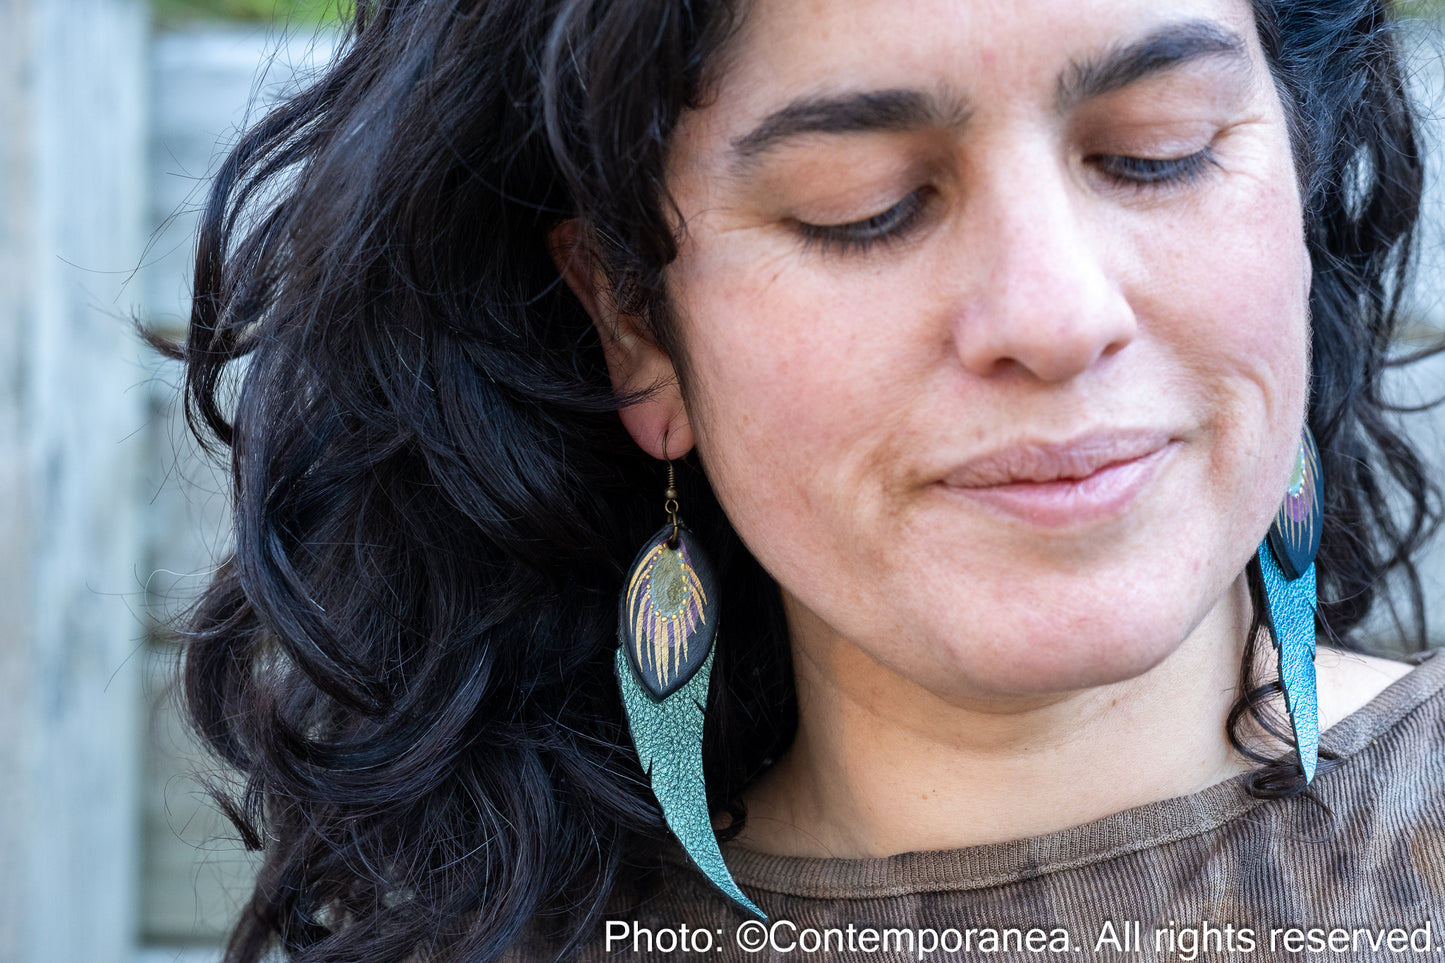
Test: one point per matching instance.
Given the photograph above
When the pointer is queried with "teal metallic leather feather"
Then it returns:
(668, 737)
(1292, 614)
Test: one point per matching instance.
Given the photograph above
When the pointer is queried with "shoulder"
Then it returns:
(1376, 715)
(1370, 705)
(1349, 681)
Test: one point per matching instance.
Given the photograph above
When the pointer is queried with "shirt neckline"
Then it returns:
(1140, 828)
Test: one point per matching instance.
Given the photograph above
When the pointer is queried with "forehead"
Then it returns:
(980, 48)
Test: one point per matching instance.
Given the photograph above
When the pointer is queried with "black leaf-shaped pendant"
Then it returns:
(668, 615)
(1295, 534)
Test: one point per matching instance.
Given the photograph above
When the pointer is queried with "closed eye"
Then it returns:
(855, 236)
(1145, 172)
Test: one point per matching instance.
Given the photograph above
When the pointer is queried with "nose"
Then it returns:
(1043, 296)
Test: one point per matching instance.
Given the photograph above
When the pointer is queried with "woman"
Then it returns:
(982, 340)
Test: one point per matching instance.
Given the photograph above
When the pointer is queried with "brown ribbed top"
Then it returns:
(1367, 852)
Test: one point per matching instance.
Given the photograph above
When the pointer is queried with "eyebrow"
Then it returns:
(1159, 52)
(878, 110)
(883, 111)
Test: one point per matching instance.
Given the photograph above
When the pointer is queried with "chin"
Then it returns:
(1037, 659)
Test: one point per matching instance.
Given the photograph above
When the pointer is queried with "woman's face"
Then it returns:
(995, 325)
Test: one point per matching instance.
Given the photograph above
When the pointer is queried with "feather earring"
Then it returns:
(667, 623)
(1286, 558)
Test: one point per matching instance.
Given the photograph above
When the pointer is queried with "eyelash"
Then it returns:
(1145, 173)
(885, 227)
(895, 224)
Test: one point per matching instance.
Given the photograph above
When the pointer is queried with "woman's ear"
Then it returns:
(658, 421)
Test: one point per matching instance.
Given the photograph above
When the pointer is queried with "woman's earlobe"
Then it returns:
(636, 363)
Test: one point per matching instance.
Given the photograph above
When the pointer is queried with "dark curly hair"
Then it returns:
(407, 657)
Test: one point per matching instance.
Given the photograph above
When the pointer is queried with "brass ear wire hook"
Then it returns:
(670, 506)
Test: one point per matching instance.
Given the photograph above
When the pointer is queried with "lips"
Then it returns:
(1089, 478)
(1075, 459)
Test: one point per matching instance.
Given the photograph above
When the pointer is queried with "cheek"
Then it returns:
(1242, 355)
(799, 399)
(1244, 268)
(781, 369)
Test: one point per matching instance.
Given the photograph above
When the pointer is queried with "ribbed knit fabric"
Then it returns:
(1215, 875)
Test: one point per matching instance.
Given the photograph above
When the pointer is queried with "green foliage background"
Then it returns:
(278, 11)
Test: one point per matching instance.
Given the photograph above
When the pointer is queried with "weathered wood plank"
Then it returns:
(70, 165)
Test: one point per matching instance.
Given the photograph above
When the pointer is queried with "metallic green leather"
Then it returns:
(1292, 615)
(668, 737)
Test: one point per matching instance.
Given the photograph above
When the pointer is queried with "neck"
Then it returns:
(882, 766)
